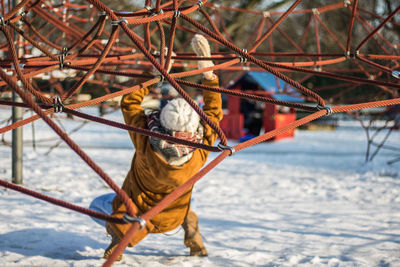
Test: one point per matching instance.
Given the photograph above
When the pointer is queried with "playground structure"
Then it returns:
(76, 45)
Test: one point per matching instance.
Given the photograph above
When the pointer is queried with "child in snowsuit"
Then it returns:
(158, 167)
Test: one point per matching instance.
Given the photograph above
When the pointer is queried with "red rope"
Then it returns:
(95, 58)
(350, 30)
(383, 23)
(61, 203)
(256, 61)
(29, 100)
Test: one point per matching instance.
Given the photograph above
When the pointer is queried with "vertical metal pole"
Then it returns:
(17, 115)
(17, 143)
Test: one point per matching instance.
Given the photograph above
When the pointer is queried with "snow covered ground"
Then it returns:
(308, 201)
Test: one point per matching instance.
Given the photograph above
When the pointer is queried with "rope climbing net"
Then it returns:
(95, 46)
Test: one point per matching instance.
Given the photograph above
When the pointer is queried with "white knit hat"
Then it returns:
(178, 115)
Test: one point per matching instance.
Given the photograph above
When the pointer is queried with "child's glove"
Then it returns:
(202, 49)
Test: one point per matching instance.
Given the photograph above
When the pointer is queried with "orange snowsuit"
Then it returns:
(150, 178)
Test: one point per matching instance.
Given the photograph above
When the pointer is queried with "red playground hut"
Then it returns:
(245, 119)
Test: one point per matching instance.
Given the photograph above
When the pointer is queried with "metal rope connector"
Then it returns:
(2, 22)
(200, 3)
(347, 2)
(148, 8)
(266, 14)
(328, 109)
(177, 13)
(224, 147)
(243, 59)
(159, 13)
(62, 57)
(129, 219)
(57, 104)
(162, 78)
(315, 11)
(318, 68)
(22, 14)
(349, 54)
(396, 74)
(102, 13)
(117, 22)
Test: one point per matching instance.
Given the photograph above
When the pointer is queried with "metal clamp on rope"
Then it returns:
(347, 2)
(328, 109)
(62, 57)
(148, 8)
(102, 13)
(65, 50)
(224, 147)
(396, 74)
(129, 219)
(57, 104)
(200, 3)
(243, 59)
(116, 22)
(159, 13)
(162, 78)
(318, 68)
(266, 14)
(22, 14)
(177, 13)
(349, 54)
(2, 22)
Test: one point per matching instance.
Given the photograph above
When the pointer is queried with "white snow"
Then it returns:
(307, 201)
